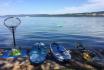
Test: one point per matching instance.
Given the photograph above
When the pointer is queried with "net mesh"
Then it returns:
(12, 22)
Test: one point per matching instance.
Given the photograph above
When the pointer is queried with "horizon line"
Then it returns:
(50, 14)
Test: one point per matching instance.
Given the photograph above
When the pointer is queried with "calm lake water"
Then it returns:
(64, 30)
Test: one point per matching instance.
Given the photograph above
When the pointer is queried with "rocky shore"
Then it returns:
(76, 63)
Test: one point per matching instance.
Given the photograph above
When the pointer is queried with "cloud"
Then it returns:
(19, 7)
(90, 6)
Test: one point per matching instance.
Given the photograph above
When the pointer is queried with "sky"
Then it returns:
(14, 7)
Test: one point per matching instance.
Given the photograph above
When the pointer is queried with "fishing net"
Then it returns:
(12, 22)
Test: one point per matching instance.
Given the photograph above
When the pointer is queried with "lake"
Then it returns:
(64, 30)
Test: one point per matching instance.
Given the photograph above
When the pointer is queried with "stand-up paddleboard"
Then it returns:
(38, 53)
(59, 52)
(12, 53)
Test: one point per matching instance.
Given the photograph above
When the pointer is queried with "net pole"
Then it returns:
(14, 40)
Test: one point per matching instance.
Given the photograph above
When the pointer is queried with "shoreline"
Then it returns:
(75, 63)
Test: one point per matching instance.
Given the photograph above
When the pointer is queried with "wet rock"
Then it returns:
(20, 59)
(10, 59)
(50, 65)
(46, 65)
(7, 66)
(16, 66)
(30, 67)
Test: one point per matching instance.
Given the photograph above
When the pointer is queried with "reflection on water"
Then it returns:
(65, 30)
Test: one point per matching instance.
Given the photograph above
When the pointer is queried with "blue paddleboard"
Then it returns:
(38, 53)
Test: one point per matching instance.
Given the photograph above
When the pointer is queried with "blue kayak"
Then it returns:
(59, 52)
(38, 53)
(8, 53)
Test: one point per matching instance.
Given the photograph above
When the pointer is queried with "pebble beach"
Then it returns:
(76, 63)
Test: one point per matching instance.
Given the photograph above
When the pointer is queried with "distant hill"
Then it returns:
(89, 14)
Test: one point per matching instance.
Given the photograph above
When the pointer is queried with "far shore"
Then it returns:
(86, 14)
